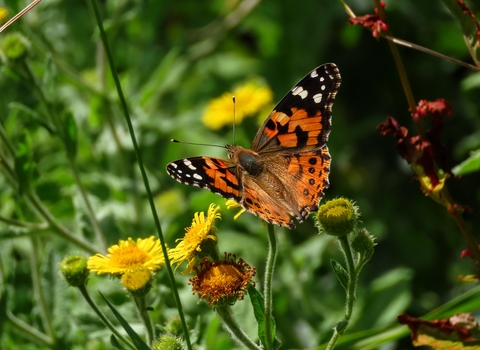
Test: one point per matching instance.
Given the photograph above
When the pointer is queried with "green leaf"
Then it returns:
(31, 114)
(468, 25)
(24, 165)
(49, 77)
(137, 341)
(115, 343)
(70, 134)
(259, 311)
(340, 272)
(469, 165)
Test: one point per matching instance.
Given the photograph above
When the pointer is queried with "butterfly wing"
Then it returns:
(299, 181)
(215, 174)
(301, 121)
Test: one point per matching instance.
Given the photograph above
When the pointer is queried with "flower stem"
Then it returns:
(29, 332)
(139, 157)
(350, 293)
(146, 319)
(37, 286)
(104, 318)
(231, 325)
(269, 268)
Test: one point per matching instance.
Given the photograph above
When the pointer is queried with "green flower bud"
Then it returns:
(14, 48)
(168, 342)
(363, 241)
(174, 326)
(337, 217)
(74, 270)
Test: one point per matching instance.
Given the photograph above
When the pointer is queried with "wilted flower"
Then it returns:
(224, 281)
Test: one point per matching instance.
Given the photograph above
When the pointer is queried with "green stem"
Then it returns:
(53, 116)
(29, 332)
(37, 287)
(24, 224)
(43, 212)
(269, 268)
(104, 318)
(91, 215)
(145, 317)
(232, 327)
(350, 293)
(128, 120)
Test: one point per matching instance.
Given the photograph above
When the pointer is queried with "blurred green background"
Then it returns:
(173, 57)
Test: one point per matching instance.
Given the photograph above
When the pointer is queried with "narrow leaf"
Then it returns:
(469, 165)
(24, 164)
(137, 341)
(115, 343)
(340, 272)
(259, 311)
(70, 134)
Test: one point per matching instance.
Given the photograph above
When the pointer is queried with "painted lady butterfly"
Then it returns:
(286, 170)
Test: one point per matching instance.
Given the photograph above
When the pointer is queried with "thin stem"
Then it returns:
(55, 119)
(37, 287)
(104, 318)
(91, 214)
(400, 67)
(467, 235)
(231, 325)
(145, 317)
(25, 224)
(42, 211)
(352, 281)
(126, 113)
(30, 332)
(350, 292)
(20, 14)
(269, 268)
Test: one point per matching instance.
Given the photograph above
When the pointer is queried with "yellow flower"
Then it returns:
(232, 204)
(224, 281)
(137, 281)
(190, 246)
(3, 14)
(129, 256)
(250, 98)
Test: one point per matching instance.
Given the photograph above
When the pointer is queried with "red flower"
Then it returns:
(427, 155)
(372, 22)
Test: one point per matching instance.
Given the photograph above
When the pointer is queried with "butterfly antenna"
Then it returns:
(233, 99)
(197, 144)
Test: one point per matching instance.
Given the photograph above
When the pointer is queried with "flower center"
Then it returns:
(129, 256)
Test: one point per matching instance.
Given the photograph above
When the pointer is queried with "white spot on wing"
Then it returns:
(314, 74)
(322, 78)
(322, 87)
(317, 98)
(173, 165)
(189, 164)
(298, 90)
(198, 177)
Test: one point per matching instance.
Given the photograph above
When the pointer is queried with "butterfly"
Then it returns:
(285, 171)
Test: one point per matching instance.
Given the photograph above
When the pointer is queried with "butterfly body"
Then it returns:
(286, 169)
